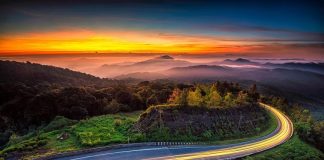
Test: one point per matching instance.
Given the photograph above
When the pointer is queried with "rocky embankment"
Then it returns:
(237, 121)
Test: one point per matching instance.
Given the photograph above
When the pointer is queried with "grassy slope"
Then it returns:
(294, 149)
(96, 131)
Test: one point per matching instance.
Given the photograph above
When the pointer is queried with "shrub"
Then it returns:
(118, 122)
(59, 122)
(113, 107)
(4, 137)
(24, 146)
(207, 134)
(89, 138)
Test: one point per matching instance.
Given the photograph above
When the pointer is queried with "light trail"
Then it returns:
(283, 133)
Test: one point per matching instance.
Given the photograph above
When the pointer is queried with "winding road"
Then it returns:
(282, 133)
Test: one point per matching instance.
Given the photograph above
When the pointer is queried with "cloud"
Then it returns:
(291, 35)
(303, 37)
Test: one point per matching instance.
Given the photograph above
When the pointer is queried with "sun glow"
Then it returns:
(114, 41)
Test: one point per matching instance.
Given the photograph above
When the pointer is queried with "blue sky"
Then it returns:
(304, 16)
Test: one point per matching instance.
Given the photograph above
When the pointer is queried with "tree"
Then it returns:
(112, 107)
(163, 95)
(207, 135)
(253, 89)
(253, 93)
(196, 98)
(145, 92)
(303, 129)
(152, 100)
(220, 88)
(175, 96)
(183, 101)
(318, 134)
(214, 99)
(124, 97)
(137, 103)
(258, 130)
(229, 99)
(242, 98)
(78, 112)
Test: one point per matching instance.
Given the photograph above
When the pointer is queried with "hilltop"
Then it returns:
(32, 74)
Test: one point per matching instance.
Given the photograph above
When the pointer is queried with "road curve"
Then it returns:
(283, 132)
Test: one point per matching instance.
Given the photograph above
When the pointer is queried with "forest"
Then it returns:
(24, 107)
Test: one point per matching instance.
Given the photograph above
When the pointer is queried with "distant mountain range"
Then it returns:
(151, 65)
(167, 67)
(239, 61)
(310, 67)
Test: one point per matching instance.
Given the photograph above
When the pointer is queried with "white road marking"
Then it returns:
(111, 153)
(139, 150)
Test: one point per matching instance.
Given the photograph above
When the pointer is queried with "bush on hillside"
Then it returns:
(59, 122)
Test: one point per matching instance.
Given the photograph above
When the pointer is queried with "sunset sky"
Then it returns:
(291, 28)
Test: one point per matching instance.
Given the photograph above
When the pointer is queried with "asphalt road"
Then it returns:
(283, 132)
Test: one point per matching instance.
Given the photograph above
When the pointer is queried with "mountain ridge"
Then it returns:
(33, 73)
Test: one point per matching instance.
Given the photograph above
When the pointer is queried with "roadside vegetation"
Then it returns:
(294, 149)
(306, 127)
(63, 134)
(308, 139)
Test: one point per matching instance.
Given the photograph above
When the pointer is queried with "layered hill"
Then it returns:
(150, 65)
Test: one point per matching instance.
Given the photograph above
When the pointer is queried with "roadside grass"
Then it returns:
(104, 130)
(56, 145)
(294, 149)
(95, 131)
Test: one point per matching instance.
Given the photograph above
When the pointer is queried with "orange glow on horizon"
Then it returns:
(114, 42)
